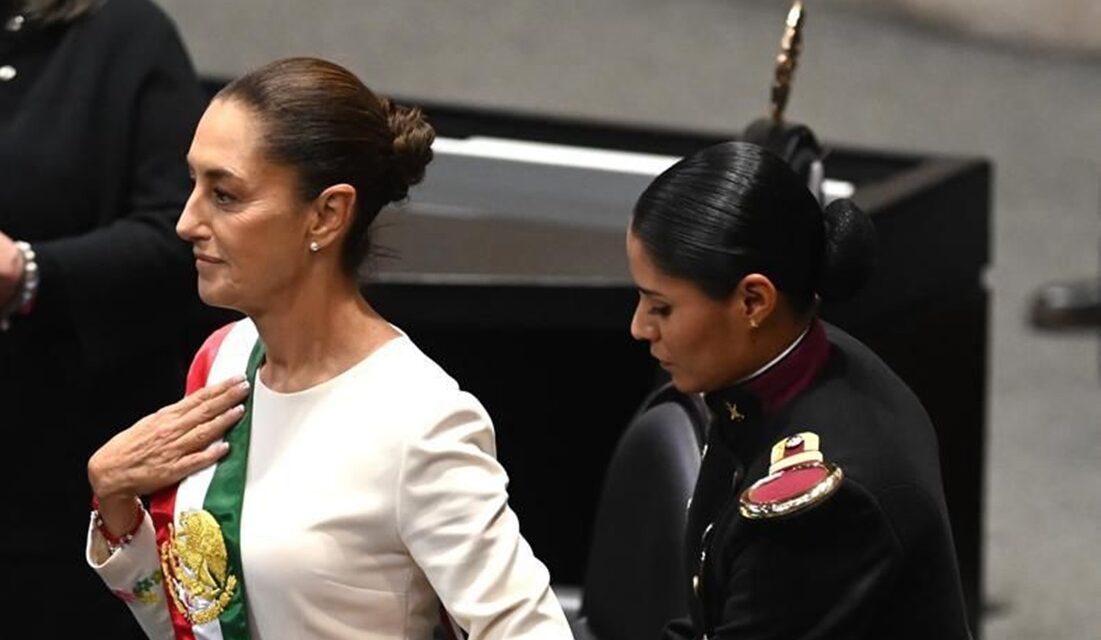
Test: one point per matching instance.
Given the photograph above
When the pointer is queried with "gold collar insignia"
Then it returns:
(735, 415)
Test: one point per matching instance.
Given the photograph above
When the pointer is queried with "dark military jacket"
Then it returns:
(868, 556)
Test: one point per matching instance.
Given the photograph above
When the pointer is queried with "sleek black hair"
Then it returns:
(734, 209)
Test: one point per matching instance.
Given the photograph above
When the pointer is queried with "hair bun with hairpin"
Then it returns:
(850, 251)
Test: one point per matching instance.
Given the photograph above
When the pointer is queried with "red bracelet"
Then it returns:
(117, 542)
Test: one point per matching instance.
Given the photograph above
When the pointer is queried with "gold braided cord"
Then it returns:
(791, 45)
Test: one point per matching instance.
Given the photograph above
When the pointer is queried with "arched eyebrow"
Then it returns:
(213, 173)
(218, 174)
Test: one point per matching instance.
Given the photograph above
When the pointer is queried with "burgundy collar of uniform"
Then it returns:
(768, 391)
(786, 379)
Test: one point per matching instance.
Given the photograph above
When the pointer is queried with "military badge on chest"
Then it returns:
(798, 478)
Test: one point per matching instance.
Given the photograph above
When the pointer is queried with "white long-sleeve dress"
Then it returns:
(369, 499)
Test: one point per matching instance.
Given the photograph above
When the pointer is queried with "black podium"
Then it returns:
(511, 273)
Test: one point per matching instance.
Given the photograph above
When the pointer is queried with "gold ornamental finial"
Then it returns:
(791, 45)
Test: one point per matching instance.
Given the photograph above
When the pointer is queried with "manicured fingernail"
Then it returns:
(244, 385)
(239, 409)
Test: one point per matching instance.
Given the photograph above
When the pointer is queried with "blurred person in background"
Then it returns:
(98, 101)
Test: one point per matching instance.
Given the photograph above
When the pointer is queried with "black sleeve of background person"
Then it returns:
(818, 574)
(125, 284)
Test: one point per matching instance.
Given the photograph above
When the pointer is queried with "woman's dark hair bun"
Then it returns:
(850, 250)
(413, 138)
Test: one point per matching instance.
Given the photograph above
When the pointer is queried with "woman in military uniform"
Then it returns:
(818, 511)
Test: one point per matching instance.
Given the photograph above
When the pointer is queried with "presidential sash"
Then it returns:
(198, 522)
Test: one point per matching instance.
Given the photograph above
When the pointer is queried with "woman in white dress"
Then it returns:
(355, 492)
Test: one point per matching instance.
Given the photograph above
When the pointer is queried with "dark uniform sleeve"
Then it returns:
(125, 285)
(679, 629)
(816, 574)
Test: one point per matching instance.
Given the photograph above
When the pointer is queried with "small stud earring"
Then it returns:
(753, 324)
(314, 247)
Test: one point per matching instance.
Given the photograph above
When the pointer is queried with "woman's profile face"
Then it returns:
(703, 343)
(244, 217)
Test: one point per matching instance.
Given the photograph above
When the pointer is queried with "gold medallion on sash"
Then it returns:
(196, 567)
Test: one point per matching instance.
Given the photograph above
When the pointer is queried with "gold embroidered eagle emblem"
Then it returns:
(195, 565)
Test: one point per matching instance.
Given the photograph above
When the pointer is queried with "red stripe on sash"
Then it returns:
(204, 359)
(162, 505)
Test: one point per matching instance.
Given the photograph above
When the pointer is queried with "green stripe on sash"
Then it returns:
(224, 499)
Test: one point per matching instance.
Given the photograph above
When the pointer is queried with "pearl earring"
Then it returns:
(314, 247)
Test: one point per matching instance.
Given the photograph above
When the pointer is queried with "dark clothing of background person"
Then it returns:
(873, 560)
(94, 131)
